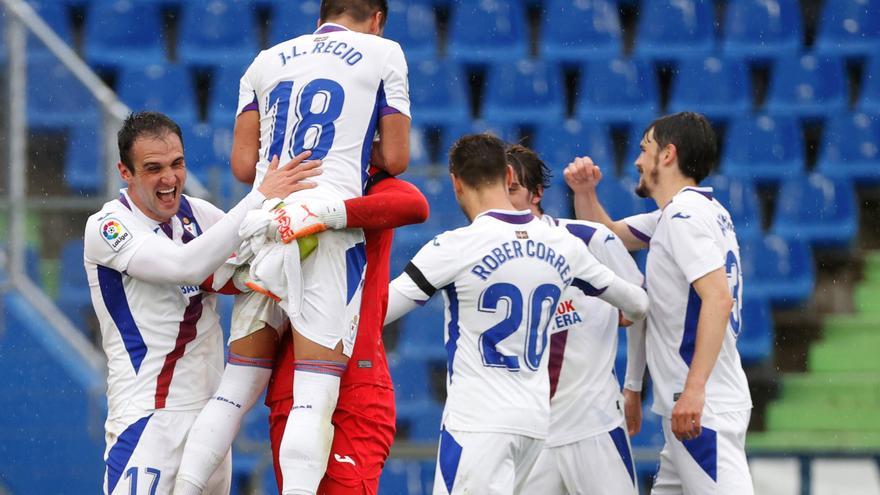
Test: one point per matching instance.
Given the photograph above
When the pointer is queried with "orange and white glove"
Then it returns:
(304, 218)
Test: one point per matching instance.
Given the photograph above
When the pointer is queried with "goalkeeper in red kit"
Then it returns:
(364, 419)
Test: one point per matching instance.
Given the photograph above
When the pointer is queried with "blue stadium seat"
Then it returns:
(849, 28)
(807, 86)
(407, 476)
(164, 88)
(421, 332)
(850, 147)
(762, 29)
(755, 341)
(123, 32)
(438, 93)
(223, 95)
(408, 240)
(718, 87)
(870, 98)
(450, 134)
(208, 150)
(741, 200)
(673, 29)
(419, 154)
(57, 15)
(292, 19)
(414, 26)
(74, 298)
(217, 32)
(776, 269)
(619, 199)
(764, 149)
(573, 31)
(445, 211)
(559, 145)
(487, 31)
(84, 168)
(617, 90)
(525, 92)
(56, 99)
(557, 200)
(818, 210)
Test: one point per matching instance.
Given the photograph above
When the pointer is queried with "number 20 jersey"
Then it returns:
(502, 278)
(690, 238)
(325, 92)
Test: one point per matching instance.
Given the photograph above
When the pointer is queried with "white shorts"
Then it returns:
(145, 453)
(715, 462)
(484, 463)
(597, 465)
(251, 312)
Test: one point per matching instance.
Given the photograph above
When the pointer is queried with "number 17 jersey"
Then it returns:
(501, 277)
(325, 92)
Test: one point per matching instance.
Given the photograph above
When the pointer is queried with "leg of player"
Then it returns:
(246, 375)
(305, 447)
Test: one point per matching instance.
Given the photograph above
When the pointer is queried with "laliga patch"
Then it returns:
(115, 233)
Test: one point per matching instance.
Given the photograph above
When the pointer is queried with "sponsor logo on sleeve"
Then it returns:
(115, 233)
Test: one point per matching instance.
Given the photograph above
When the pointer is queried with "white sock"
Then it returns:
(308, 435)
(211, 436)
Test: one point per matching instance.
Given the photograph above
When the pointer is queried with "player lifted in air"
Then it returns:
(502, 278)
(587, 450)
(695, 285)
(146, 255)
(327, 92)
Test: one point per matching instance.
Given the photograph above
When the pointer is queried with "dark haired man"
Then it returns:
(502, 277)
(146, 254)
(328, 92)
(695, 285)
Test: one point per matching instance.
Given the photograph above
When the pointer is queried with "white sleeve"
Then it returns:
(611, 252)
(431, 269)
(247, 93)
(398, 304)
(596, 279)
(160, 261)
(395, 83)
(643, 226)
(636, 358)
(693, 247)
(112, 239)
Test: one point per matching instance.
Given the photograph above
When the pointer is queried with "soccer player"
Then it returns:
(327, 92)
(695, 286)
(146, 254)
(364, 419)
(587, 449)
(503, 277)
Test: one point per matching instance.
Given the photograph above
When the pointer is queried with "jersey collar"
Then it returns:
(329, 27)
(553, 222)
(704, 191)
(509, 216)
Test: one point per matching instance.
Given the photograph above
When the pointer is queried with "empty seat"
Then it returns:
(292, 19)
(217, 32)
(445, 211)
(123, 32)
(223, 94)
(741, 200)
(84, 164)
(776, 269)
(850, 147)
(762, 29)
(421, 332)
(419, 152)
(673, 29)
(56, 99)
(413, 25)
(818, 210)
(807, 86)
(165, 88)
(849, 28)
(74, 298)
(575, 30)
(764, 149)
(870, 97)
(718, 87)
(438, 92)
(619, 199)
(560, 145)
(525, 92)
(208, 150)
(617, 90)
(486, 31)
(755, 341)
(450, 134)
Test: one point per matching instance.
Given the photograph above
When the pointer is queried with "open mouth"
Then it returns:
(166, 195)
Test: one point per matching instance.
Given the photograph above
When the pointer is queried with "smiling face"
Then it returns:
(159, 174)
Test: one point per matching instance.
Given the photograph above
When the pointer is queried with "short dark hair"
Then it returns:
(695, 142)
(532, 172)
(139, 124)
(359, 10)
(478, 160)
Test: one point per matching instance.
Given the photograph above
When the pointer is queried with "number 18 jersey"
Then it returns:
(502, 278)
(325, 92)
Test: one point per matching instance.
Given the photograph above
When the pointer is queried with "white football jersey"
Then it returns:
(585, 397)
(325, 92)
(502, 278)
(691, 237)
(163, 343)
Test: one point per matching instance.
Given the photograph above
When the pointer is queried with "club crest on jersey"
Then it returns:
(189, 226)
(522, 234)
(566, 315)
(115, 233)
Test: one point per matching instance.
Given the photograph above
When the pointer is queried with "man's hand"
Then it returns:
(632, 410)
(687, 413)
(280, 182)
(582, 175)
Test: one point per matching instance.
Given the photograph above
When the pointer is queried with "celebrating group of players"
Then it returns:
(533, 303)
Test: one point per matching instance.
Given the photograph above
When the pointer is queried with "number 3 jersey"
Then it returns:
(690, 238)
(325, 92)
(501, 278)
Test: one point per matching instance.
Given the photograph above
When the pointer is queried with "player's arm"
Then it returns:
(389, 203)
(434, 266)
(391, 153)
(160, 261)
(582, 176)
(595, 279)
(246, 146)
